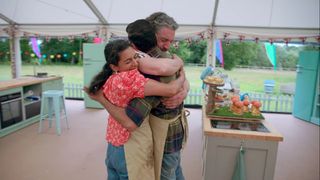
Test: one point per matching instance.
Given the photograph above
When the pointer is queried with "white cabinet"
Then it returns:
(221, 148)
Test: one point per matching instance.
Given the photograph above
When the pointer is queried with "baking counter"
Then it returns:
(272, 135)
(21, 101)
(25, 81)
(222, 144)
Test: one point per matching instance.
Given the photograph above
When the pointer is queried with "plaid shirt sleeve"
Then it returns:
(139, 108)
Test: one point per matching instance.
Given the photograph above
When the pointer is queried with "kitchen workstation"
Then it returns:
(21, 100)
(238, 141)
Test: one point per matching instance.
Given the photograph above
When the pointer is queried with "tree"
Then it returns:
(4, 49)
(26, 50)
(61, 49)
(198, 51)
(182, 51)
(194, 52)
(261, 58)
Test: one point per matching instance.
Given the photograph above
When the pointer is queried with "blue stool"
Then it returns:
(52, 102)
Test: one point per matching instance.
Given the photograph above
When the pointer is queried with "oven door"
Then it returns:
(11, 112)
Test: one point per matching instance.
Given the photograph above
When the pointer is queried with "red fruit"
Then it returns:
(238, 104)
(246, 102)
(257, 104)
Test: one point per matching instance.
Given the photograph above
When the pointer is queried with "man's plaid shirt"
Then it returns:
(139, 108)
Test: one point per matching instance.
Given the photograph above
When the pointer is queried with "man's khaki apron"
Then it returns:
(139, 153)
(159, 131)
(144, 149)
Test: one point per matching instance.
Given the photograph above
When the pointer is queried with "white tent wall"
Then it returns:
(39, 12)
(65, 17)
(269, 13)
(264, 20)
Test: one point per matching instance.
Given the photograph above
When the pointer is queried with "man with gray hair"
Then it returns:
(170, 110)
(167, 119)
(165, 27)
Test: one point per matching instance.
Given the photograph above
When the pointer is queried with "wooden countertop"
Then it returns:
(273, 135)
(25, 81)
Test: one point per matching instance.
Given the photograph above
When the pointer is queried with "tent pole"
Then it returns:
(211, 50)
(80, 50)
(214, 48)
(15, 55)
(12, 60)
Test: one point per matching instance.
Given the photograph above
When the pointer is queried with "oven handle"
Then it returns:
(9, 101)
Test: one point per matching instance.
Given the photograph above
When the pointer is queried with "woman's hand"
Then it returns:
(117, 113)
(176, 100)
(177, 58)
(98, 96)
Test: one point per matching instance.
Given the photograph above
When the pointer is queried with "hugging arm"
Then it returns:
(134, 114)
(176, 100)
(139, 108)
(116, 112)
(160, 66)
(155, 88)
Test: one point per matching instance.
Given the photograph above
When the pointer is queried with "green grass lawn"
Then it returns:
(249, 80)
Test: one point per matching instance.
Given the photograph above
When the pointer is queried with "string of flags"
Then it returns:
(192, 38)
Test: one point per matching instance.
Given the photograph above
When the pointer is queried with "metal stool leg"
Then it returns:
(43, 99)
(50, 110)
(57, 109)
(65, 111)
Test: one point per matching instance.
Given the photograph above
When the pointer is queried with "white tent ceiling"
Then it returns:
(265, 19)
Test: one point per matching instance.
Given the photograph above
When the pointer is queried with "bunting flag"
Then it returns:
(271, 53)
(219, 52)
(36, 48)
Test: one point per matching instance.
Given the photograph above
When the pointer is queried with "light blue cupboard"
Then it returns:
(93, 61)
(306, 101)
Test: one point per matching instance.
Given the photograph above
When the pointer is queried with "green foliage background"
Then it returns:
(246, 53)
(63, 47)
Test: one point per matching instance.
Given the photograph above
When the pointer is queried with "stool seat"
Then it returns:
(52, 102)
(53, 93)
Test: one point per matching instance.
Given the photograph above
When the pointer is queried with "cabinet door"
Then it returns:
(221, 154)
(305, 85)
(94, 52)
(315, 119)
(90, 70)
(93, 57)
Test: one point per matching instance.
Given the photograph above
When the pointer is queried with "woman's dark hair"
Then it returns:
(111, 54)
(142, 34)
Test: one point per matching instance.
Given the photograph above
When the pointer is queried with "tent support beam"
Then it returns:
(95, 10)
(8, 20)
(216, 4)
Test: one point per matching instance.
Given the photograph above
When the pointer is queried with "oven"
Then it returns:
(10, 109)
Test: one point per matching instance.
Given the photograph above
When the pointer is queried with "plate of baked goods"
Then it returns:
(214, 80)
(224, 112)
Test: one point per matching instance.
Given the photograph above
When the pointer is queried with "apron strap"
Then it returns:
(185, 113)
